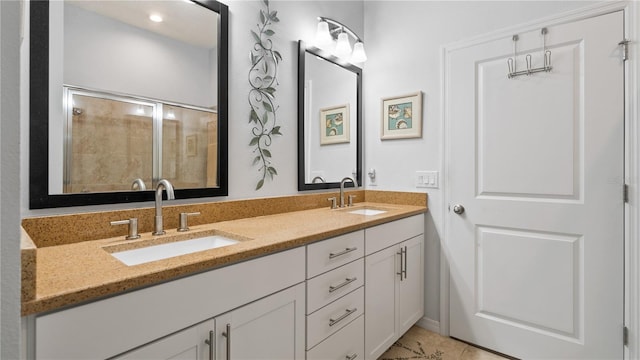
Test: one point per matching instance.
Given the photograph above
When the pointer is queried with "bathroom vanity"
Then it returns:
(313, 284)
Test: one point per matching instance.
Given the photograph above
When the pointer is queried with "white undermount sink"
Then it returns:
(366, 210)
(172, 249)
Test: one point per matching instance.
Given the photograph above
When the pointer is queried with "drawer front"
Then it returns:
(331, 253)
(331, 285)
(385, 235)
(347, 343)
(333, 317)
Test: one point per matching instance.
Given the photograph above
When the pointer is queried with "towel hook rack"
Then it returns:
(546, 55)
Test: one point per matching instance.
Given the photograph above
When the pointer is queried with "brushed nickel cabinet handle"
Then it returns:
(346, 282)
(401, 253)
(342, 317)
(227, 334)
(343, 252)
(405, 262)
(209, 342)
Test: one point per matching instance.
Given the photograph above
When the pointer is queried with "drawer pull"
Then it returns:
(351, 357)
(346, 282)
(342, 317)
(345, 251)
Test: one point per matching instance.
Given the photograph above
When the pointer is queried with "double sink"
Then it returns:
(140, 255)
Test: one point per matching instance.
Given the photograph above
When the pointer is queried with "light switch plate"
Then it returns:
(427, 179)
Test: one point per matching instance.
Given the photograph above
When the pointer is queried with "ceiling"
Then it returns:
(183, 20)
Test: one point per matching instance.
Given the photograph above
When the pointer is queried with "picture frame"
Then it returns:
(402, 117)
(191, 144)
(335, 125)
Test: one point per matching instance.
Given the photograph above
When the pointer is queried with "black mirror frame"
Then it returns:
(303, 48)
(39, 197)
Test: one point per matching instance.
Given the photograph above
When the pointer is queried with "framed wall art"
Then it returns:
(334, 125)
(402, 117)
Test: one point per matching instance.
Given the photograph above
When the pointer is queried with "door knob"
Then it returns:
(458, 209)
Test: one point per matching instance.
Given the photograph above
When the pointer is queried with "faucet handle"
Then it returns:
(133, 227)
(334, 202)
(351, 197)
(183, 221)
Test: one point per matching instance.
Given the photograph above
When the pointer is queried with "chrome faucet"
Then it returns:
(138, 184)
(164, 183)
(342, 182)
(319, 178)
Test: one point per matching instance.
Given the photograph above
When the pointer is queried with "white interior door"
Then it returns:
(536, 258)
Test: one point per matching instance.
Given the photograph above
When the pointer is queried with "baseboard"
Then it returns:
(429, 324)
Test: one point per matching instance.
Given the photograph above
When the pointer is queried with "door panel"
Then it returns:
(269, 328)
(542, 281)
(411, 287)
(381, 292)
(536, 259)
(541, 157)
(188, 344)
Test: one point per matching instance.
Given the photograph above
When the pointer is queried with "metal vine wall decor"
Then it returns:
(263, 81)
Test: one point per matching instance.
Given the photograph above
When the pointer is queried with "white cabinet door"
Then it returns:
(394, 289)
(411, 287)
(188, 344)
(270, 328)
(380, 301)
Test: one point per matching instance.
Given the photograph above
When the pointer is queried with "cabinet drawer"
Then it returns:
(348, 343)
(331, 253)
(334, 317)
(385, 235)
(331, 285)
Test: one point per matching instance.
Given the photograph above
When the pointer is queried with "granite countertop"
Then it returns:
(74, 273)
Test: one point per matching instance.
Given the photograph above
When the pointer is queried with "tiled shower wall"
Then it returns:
(111, 145)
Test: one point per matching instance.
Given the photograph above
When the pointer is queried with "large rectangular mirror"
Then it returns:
(329, 120)
(123, 94)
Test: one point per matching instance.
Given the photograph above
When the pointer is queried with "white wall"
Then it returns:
(403, 42)
(9, 180)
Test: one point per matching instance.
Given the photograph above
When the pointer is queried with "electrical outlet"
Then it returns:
(427, 179)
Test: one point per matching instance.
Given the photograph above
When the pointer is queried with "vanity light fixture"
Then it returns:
(329, 30)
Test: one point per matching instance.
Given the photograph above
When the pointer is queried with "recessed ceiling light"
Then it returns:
(155, 18)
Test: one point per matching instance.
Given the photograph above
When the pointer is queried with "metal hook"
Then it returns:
(547, 60)
(528, 58)
(512, 69)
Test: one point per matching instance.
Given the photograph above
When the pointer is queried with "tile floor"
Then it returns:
(419, 343)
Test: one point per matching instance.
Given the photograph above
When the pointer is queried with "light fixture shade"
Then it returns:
(358, 55)
(343, 48)
(323, 37)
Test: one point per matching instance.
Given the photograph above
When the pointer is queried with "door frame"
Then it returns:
(631, 155)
